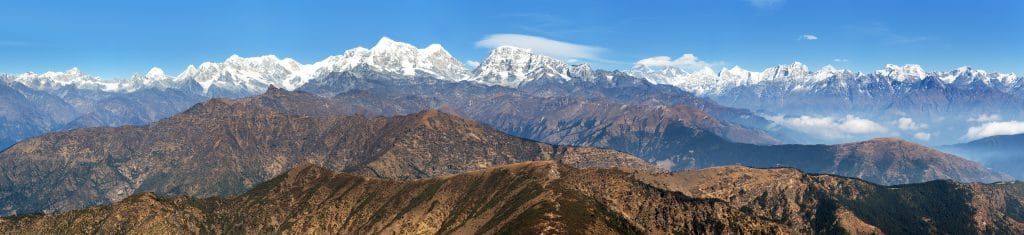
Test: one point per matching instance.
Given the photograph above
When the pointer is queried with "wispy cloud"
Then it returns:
(808, 37)
(840, 60)
(767, 3)
(545, 46)
(688, 62)
(994, 129)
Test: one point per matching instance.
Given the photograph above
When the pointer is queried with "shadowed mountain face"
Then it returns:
(549, 197)
(539, 99)
(1003, 153)
(830, 204)
(223, 147)
(26, 112)
(895, 161)
(657, 133)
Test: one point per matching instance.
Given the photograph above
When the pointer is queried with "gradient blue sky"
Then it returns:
(115, 39)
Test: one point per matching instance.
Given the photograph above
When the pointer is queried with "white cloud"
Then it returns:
(808, 37)
(549, 47)
(908, 124)
(666, 164)
(841, 60)
(923, 136)
(830, 127)
(766, 3)
(994, 129)
(472, 63)
(985, 118)
(688, 62)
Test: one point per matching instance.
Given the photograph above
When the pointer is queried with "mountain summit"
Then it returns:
(389, 56)
(512, 66)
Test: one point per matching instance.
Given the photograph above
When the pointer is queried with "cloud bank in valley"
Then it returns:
(993, 129)
(831, 128)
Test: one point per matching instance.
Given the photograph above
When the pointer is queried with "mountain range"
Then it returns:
(73, 99)
(401, 139)
(431, 77)
(514, 90)
(888, 96)
(674, 137)
(942, 106)
(548, 197)
(237, 144)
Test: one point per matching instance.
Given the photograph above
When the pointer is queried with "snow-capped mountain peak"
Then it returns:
(155, 78)
(433, 49)
(965, 76)
(74, 71)
(735, 73)
(395, 57)
(505, 66)
(962, 75)
(386, 43)
(658, 74)
(156, 73)
(512, 66)
(740, 75)
(248, 74)
(911, 72)
(436, 60)
(189, 71)
(705, 71)
(796, 70)
(72, 77)
(829, 71)
(796, 77)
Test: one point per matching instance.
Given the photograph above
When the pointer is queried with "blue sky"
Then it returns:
(114, 39)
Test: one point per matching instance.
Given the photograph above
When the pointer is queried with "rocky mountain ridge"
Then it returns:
(675, 137)
(236, 144)
(548, 197)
